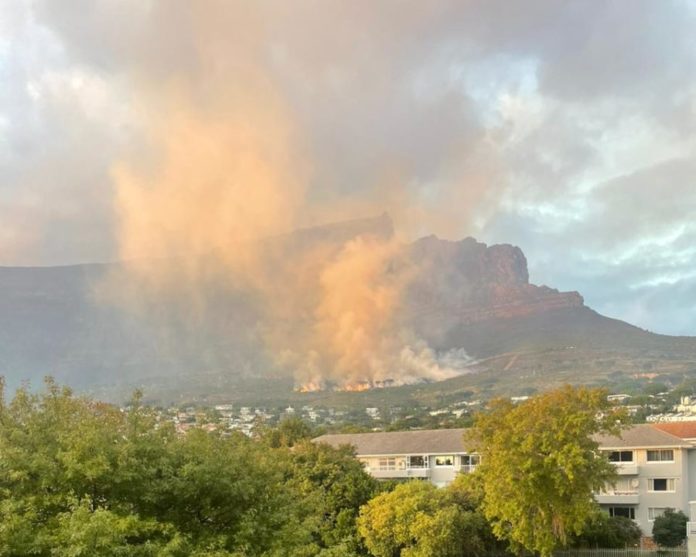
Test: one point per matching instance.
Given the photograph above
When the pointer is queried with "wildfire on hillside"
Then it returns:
(354, 387)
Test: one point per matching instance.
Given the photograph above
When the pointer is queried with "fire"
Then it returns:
(354, 387)
(311, 387)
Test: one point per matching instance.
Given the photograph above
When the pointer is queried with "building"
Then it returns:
(656, 464)
(436, 455)
(656, 470)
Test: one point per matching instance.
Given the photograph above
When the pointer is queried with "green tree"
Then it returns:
(290, 430)
(334, 484)
(78, 477)
(669, 529)
(540, 465)
(609, 532)
(417, 519)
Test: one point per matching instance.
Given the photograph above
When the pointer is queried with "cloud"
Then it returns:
(563, 127)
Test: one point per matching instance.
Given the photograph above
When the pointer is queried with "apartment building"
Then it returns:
(656, 464)
(436, 455)
(656, 470)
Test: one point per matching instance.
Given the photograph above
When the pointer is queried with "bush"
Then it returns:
(669, 529)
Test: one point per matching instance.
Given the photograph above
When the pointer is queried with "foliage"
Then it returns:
(540, 465)
(334, 484)
(290, 430)
(609, 532)
(82, 478)
(417, 519)
(669, 529)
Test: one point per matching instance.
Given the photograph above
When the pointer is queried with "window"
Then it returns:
(621, 456)
(417, 461)
(661, 455)
(447, 460)
(654, 512)
(661, 484)
(387, 464)
(628, 512)
(469, 462)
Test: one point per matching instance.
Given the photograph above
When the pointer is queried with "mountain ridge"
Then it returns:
(465, 294)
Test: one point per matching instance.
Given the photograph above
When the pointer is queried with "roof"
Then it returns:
(445, 441)
(422, 441)
(638, 437)
(683, 430)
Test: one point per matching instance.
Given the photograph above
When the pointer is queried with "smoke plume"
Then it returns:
(222, 172)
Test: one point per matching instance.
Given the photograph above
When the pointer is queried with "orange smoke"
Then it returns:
(223, 167)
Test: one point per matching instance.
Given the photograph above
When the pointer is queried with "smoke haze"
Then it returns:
(178, 135)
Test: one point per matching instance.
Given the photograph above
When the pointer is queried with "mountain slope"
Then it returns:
(463, 295)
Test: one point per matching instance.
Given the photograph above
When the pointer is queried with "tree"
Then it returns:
(540, 465)
(290, 430)
(417, 519)
(609, 532)
(669, 529)
(334, 485)
(79, 477)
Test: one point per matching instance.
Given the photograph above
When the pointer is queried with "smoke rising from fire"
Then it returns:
(222, 172)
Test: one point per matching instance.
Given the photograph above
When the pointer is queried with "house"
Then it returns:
(655, 463)
(436, 455)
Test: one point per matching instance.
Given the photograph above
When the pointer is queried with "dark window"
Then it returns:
(418, 461)
(661, 484)
(628, 512)
(621, 456)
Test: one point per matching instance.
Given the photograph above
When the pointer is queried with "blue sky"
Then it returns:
(566, 128)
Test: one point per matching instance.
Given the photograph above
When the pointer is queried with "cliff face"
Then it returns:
(471, 282)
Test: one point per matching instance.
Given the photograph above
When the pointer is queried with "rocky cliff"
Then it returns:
(468, 282)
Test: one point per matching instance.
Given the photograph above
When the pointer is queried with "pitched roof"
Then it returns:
(640, 436)
(424, 441)
(683, 430)
(444, 441)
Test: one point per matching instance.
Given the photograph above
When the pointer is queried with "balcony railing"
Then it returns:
(626, 468)
(467, 468)
(383, 473)
(618, 497)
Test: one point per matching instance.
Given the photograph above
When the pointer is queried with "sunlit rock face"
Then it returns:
(468, 282)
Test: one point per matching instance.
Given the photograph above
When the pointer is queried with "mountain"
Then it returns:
(463, 294)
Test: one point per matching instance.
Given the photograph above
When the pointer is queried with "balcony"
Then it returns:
(626, 468)
(466, 468)
(618, 498)
(398, 474)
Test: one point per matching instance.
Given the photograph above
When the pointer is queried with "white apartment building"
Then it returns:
(656, 470)
(437, 455)
(656, 464)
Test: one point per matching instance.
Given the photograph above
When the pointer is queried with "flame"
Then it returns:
(354, 387)
(311, 387)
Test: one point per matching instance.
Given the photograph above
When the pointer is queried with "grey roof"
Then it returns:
(423, 441)
(640, 436)
(446, 441)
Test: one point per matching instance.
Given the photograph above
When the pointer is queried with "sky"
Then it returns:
(566, 128)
